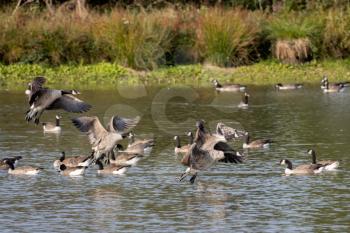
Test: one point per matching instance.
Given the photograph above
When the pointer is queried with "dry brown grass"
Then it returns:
(293, 51)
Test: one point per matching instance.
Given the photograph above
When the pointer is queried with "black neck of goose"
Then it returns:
(245, 99)
(191, 139)
(289, 164)
(63, 156)
(247, 139)
(57, 121)
(217, 84)
(313, 154)
(326, 85)
(112, 155)
(177, 142)
(100, 165)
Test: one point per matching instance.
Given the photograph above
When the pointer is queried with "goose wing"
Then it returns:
(229, 154)
(92, 127)
(70, 103)
(122, 125)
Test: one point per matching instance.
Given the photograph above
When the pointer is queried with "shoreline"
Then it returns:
(103, 75)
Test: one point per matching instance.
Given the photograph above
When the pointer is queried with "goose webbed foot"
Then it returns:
(183, 176)
(36, 121)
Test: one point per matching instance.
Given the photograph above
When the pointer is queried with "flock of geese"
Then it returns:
(204, 149)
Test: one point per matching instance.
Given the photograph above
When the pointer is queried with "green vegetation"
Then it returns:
(105, 75)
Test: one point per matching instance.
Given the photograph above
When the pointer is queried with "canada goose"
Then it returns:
(301, 169)
(35, 85)
(104, 140)
(328, 165)
(228, 132)
(206, 151)
(143, 146)
(244, 102)
(228, 87)
(49, 127)
(183, 149)
(280, 86)
(332, 85)
(24, 170)
(111, 169)
(72, 171)
(332, 88)
(259, 143)
(72, 161)
(13, 160)
(125, 158)
(46, 99)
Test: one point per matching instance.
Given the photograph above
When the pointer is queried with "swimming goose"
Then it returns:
(183, 149)
(228, 87)
(49, 127)
(301, 169)
(143, 146)
(72, 171)
(125, 158)
(228, 132)
(329, 165)
(206, 151)
(47, 99)
(332, 88)
(104, 140)
(23, 170)
(332, 85)
(111, 169)
(244, 102)
(13, 160)
(259, 143)
(73, 161)
(280, 86)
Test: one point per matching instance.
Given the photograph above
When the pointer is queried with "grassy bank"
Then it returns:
(107, 75)
(149, 39)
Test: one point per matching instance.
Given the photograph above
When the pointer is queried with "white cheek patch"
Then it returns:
(27, 92)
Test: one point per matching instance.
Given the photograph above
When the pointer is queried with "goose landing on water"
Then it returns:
(104, 140)
(206, 151)
(49, 127)
(329, 165)
(301, 169)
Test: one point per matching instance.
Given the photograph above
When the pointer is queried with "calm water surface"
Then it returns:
(251, 197)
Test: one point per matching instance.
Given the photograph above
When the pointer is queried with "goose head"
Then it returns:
(278, 85)
(200, 124)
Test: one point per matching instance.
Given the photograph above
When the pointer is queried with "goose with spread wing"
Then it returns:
(208, 150)
(104, 140)
(41, 99)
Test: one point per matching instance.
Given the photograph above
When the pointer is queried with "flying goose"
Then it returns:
(228, 133)
(228, 87)
(49, 127)
(104, 140)
(328, 165)
(42, 99)
(23, 170)
(72, 171)
(280, 86)
(111, 169)
(206, 151)
(244, 102)
(259, 143)
(74, 161)
(13, 160)
(143, 146)
(332, 85)
(183, 149)
(301, 169)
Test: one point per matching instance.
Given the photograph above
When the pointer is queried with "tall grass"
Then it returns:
(146, 40)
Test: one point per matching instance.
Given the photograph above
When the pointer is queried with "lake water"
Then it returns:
(250, 197)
